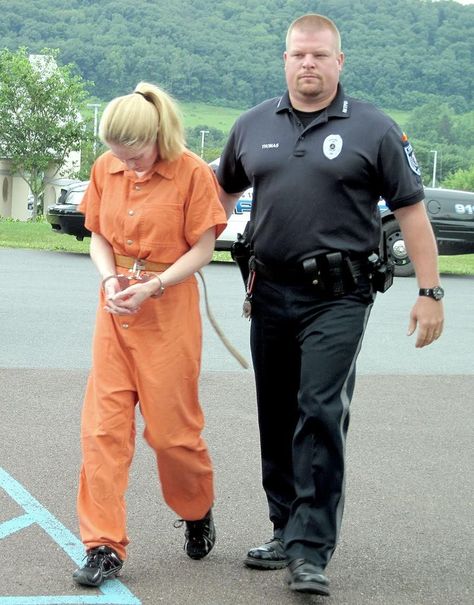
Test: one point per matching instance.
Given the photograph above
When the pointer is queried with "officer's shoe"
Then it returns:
(270, 555)
(304, 576)
(101, 563)
(200, 536)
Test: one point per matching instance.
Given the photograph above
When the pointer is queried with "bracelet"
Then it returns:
(106, 279)
(161, 289)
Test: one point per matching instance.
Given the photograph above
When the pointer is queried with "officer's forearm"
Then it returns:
(420, 243)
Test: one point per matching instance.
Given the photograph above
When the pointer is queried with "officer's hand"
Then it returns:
(428, 315)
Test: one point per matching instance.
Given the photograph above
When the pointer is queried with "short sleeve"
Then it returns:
(401, 176)
(90, 204)
(230, 172)
(203, 208)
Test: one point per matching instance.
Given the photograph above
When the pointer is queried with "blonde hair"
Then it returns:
(314, 22)
(148, 115)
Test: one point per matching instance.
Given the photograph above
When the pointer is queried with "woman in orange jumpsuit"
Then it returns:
(154, 214)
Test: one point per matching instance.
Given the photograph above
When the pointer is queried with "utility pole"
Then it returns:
(203, 134)
(435, 162)
(96, 124)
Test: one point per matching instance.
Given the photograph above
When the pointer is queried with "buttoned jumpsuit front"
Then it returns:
(151, 358)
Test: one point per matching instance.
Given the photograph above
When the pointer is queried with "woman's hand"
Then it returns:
(129, 300)
(111, 286)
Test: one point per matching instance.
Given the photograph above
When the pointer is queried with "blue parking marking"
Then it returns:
(74, 600)
(113, 591)
(10, 527)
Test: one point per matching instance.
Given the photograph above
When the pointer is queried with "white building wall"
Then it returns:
(14, 190)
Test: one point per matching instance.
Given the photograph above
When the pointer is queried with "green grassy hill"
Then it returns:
(200, 114)
(222, 118)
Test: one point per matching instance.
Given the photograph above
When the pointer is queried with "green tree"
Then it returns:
(436, 127)
(399, 53)
(214, 141)
(39, 115)
(462, 179)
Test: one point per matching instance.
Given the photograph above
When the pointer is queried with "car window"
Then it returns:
(74, 197)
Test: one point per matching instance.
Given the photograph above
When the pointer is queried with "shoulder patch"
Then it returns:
(410, 155)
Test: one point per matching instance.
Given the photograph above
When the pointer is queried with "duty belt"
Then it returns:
(335, 273)
(294, 274)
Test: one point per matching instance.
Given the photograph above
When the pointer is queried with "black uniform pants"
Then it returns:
(304, 350)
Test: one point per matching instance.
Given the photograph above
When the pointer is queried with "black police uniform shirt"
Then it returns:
(316, 188)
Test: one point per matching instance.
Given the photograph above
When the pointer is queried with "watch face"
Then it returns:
(438, 293)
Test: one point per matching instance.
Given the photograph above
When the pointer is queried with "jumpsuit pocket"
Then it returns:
(162, 225)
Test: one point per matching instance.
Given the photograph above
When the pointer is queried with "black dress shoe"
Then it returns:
(304, 576)
(200, 536)
(101, 563)
(270, 555)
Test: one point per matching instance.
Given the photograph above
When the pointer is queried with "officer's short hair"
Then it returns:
(314, 22)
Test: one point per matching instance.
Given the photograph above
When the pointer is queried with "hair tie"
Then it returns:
(137, 92)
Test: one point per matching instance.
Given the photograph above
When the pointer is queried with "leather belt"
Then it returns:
(280, 273)
(139, 264)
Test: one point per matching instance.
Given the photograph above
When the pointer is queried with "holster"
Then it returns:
(241, 252)
(381, 271)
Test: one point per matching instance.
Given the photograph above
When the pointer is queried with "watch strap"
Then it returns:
(436, 292)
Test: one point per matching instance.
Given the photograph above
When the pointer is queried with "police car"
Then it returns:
(236, 223)
(451, 214)
(238, 219)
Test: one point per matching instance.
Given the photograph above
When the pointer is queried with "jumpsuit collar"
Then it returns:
(162, 167)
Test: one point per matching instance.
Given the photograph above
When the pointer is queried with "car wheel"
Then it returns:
(396, 250)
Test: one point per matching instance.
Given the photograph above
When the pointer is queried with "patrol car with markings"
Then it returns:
(451, 213)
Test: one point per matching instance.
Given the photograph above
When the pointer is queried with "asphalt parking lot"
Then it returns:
(407, 536)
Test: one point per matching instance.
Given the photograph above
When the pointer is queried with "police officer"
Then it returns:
(318, 161)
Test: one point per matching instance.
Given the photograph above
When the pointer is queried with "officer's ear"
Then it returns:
(340, 60)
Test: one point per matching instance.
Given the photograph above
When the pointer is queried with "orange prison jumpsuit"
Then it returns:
(153, 357)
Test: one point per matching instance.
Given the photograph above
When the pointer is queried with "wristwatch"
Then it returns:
(437, 292)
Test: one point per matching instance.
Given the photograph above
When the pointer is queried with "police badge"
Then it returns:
(332, 146)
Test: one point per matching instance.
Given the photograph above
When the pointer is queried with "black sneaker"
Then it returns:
(200, 536)
(101, 563)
